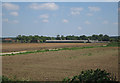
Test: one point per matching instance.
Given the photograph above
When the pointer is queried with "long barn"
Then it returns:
(75, 41)
(67, 41)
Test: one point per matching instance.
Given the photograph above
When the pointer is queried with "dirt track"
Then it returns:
(56, 65)
(11, 47)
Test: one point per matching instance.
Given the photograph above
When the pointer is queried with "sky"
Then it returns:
(63, 18)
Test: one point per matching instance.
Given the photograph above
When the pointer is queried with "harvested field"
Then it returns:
(10, 47)
(56, 65)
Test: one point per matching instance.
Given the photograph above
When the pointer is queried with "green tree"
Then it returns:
(106, 38)
(83, 37)
(62, 37)
(100, 37)
(58, 37)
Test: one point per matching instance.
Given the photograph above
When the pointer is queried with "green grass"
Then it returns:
(114, 44)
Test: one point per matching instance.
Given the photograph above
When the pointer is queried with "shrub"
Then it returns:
(13, 80)
(94, 76)
(4, 78)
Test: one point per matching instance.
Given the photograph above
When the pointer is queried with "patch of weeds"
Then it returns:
(84, 54)
(89, 54)
(70, 57)
(115, 55)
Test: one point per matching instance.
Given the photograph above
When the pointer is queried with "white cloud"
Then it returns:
(79, 28)
(45, 20)
(65, 21)
(14, 13)
(94, 9)
(115, 23)
(87, 22)
(10, 6)
(5, 20)
(105, 22)
(44, 16)
(76, 11)
(89, 14)
(45, 6)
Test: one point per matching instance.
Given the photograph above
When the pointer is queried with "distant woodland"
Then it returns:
(42, 39)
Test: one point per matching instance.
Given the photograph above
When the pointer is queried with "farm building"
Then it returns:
(71, 41)
(75, 41)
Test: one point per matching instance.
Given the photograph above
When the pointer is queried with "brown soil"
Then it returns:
(11, 47)
(56, 65)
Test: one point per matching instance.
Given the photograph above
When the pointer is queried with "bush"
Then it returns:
(13, 80)
(4, 78)
(94, 76)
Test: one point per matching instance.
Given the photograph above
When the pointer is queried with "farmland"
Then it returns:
(56, 65)
(10, 47)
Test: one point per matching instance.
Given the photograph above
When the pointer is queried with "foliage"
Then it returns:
(13, 80)
(41, 39)
(4, 78)
(32, 39)
(94, 76)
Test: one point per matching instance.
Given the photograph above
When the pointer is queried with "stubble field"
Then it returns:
(56, 65)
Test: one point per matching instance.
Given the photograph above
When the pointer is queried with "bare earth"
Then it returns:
(56, 65)
(11, 47)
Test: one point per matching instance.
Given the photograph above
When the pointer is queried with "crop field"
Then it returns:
(10, 47)
(56, 65)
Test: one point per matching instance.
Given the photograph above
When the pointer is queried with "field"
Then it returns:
(10, 47)
(56, 65)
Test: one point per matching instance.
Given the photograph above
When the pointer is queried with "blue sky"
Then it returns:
(63, 18)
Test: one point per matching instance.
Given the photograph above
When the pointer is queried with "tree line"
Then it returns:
(41, 39)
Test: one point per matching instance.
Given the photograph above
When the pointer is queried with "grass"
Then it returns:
(113, 44)
(88, 54)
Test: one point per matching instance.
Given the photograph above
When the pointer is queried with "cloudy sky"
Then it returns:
(63, 18)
